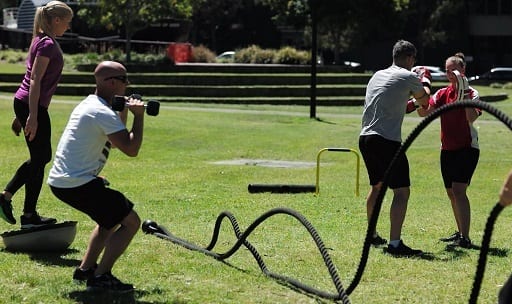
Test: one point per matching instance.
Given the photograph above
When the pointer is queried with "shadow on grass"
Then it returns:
(87, 297)
(57, 258)
(315, 298)
(451, 253)
(324, 121)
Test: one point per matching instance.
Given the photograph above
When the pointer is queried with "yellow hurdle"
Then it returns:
(336, 150)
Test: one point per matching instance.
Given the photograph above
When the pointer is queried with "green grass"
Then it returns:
(174, 182)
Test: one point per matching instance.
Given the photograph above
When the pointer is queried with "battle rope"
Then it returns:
(484, 249)
(405, 145)
(152, 227)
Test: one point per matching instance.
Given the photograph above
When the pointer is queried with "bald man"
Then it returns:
(93, 128)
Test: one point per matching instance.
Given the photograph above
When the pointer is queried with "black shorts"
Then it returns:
(107, 207)
(458, 166)
(378, 153)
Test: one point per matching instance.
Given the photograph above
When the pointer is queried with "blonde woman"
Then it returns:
(459, 145)
(31, 101)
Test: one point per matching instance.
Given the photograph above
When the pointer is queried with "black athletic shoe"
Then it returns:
(6, 210)
(35, 221)
(378, 240)
(463, 242)
(455, 236)
(107, 282)
(82, 275)
(403, 250)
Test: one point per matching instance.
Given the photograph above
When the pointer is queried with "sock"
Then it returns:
(394, 243)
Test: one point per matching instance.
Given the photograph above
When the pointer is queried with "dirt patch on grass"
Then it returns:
(266, 163)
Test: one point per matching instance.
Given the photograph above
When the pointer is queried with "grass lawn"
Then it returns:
(175, 182)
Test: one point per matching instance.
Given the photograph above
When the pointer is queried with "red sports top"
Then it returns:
(456, 131)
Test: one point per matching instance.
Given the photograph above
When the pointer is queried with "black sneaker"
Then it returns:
(463, 242)
(455, 236)
(403, 250)
(82, 275)
(377, 240)
(35, 221)
(107, 282)
(6, 210)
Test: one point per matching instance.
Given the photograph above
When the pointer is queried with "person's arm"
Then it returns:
(422, 111)
(472, 114)
(422, 97)
(506, 191)
(130, 142)
(38, 71)
(124, 115)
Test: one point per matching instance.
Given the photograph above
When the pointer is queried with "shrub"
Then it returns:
(12, 56)
(246, 55)
(289, 55)
(507, 85)
(264, 56)
(201, 53)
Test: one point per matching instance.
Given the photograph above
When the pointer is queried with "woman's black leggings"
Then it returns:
(31, 172)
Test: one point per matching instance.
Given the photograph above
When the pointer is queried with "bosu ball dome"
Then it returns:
(54, 237)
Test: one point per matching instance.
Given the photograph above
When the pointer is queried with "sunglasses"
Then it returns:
(122, 78)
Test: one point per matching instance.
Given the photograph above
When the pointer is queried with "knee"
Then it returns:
(42, 159)
(402, 194)
(459, 191)
(133, 221)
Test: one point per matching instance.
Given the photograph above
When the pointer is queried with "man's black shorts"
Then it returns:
(378, 153)
(107, 207)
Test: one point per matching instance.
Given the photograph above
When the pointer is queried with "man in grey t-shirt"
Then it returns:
(387, 95)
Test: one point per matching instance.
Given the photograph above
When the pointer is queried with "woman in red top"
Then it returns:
(459, 145)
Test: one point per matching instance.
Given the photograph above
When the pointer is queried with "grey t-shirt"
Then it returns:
(386, 99)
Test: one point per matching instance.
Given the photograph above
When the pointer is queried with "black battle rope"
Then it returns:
(151, 227)
(405, 145)
(159, 231)
(482, 259)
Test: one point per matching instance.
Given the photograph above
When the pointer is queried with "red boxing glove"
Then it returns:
(411, 106)
(424, 75)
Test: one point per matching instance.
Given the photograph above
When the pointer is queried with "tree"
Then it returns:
(211, 16)
(133, 15)
(343, 25)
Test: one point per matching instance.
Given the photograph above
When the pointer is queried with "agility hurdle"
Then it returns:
(336, 150)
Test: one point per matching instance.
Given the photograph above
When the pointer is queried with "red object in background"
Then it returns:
(180, 52)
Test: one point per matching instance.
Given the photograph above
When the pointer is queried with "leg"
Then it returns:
(116, 242)
(18, 180)
(463, 213)
(371, 200)
(96, 245)
(398, 211)
(453, 202)
(40, 154)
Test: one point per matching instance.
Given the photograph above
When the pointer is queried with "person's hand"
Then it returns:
(506, 191)
(16, 126)
(136, 106)
(31, 128)
(411, 106)
(104, 180)
(424, 75)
